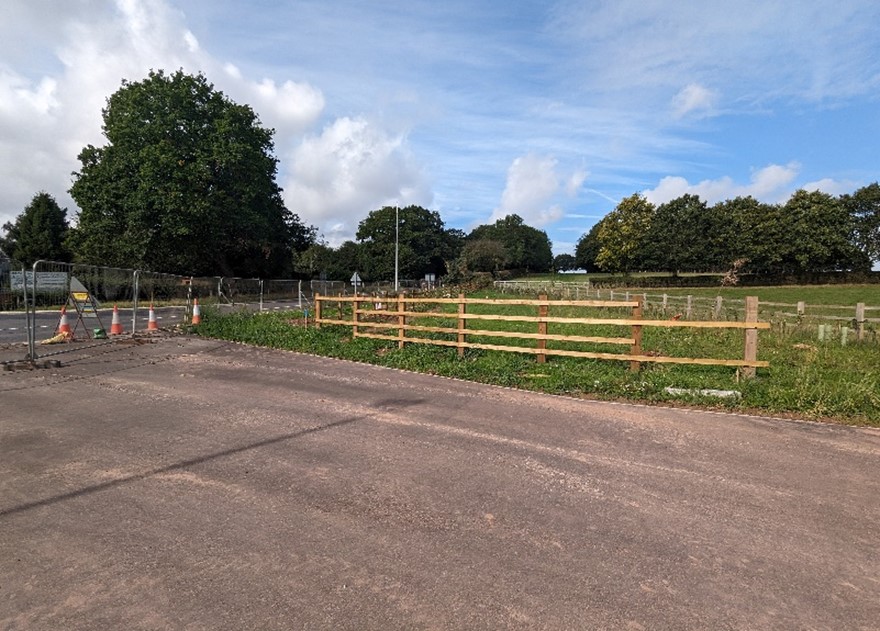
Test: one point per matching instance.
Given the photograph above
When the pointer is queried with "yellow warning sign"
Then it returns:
(80, 296)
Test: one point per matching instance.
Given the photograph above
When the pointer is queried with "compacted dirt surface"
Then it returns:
(193, 484)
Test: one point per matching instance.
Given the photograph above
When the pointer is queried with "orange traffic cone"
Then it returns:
(63, 325)
(152, 325)
(115, 324)
(197, 314)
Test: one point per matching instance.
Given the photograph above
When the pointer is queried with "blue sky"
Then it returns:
(552, 110)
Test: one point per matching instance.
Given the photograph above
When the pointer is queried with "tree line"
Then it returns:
(811, 232)
(186, 183)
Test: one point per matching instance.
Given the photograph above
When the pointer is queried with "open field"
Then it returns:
(848, 295)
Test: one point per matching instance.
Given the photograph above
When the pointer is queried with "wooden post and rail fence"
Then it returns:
(378, 318)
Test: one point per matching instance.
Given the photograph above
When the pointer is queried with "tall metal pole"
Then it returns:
(396, 244)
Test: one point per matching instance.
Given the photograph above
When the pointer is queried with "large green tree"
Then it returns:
(587, 249)
(483, 255)
(680, 236)
(864, 207)
(527, 248)
(186, 183)
(425, 245)
(39, 232)
(819, 234)
(623, 235)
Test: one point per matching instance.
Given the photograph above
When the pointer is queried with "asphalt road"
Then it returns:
(193, 484)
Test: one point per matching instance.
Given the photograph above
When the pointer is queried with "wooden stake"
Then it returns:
(462, 324)
(401, 321)
(318, 311)
(860, 322)
(543, 312)
(636, 348)
(751, 335)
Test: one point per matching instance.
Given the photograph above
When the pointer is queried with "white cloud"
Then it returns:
(352, 167)
(532, 189)
(831, 186)
(694, 99)
(575, 182)
(637, 47)
(771, 184)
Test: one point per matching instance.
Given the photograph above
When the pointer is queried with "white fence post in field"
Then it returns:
(718, 302)
(690, 307)
(801, 307)
(860, 321)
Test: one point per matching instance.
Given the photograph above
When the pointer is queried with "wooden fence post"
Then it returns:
(636, 348)
(718, 303)
(543, 311)
(690, 308)
(462, 324)
(860, 322)
(317, 311)
(751, 346)
(401, 320)
(355, 316)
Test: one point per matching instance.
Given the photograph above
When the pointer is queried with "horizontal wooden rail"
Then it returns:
(371, 322)
(694, 324)
(583, 354)
(489, 333)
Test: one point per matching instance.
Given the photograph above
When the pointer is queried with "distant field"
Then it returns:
(844, 295)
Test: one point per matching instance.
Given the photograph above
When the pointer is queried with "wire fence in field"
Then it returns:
(860, 321)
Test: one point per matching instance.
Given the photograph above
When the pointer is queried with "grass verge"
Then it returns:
(806, 379)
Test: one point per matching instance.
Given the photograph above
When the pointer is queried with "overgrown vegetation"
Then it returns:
(807, 378)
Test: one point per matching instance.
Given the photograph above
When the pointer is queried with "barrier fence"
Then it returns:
(90, 294)
(395, 319)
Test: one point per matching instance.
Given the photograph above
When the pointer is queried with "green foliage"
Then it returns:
(677, 236)
(818, 235)
(587, 250)
(185, 184)
(484, 255)
(564, 263)
(526, 248)
(623, 235)
(812, 232)
(39, 232)
(864, 207)
(424, 243)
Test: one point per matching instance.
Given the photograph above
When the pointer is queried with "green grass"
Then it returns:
(806, 378)
(844, 295)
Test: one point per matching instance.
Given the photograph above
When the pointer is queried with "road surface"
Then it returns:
(196, 484)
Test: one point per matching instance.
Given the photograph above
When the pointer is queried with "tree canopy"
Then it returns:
(424, 244)
(864, 207)
(39, 232)
(527, 248)
(623, 235)
(186, 184)
(811, 232)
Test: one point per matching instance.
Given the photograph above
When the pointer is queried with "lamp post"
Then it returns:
(396, 244)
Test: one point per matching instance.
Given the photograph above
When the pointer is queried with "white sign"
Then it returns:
(47, 282)
(355, 279)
